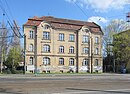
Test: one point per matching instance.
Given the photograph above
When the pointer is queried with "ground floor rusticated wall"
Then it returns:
(54, 65)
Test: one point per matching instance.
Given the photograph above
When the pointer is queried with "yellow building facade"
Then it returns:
(62, 45)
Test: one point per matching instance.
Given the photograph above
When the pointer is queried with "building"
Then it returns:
(62, 45)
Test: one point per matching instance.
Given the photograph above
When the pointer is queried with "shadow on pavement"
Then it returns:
(107, 91)
(7, 91)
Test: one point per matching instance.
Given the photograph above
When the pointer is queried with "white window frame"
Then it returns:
(71, 61)
(31, 47)
(71, 49)
(96, 62)
(31, 34)
(31, 61)
(71, 37)
(46, 35)
(85, 62)
(61, 36)
(61, 61)
(46, 61)
(61, 49)
(97, 40)
(85, 38)
(96, 51)
(46, 48)
(85, 50)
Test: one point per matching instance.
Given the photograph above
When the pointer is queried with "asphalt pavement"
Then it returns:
(65, 84)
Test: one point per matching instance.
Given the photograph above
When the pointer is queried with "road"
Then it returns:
(65, 84)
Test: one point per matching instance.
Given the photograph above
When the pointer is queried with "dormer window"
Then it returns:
(85, 29)
(46, 27)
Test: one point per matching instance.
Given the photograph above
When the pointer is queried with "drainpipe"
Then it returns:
(77, 51)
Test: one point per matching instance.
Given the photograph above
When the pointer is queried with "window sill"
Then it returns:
(71, 41)
(61, 40)
(71, 53)
(85, 53)
(31, 38)
(61, 53)
(45, 52)
(46, 39)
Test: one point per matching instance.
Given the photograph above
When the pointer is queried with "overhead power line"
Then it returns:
(8, 19)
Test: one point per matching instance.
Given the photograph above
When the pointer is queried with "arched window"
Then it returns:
(46, 61)
(96, 51)
(46, 48)
(31, 61)
(31, 47)
(96, 62)
(46, 26)
(71, 62)
(61, 61)
(85, 62)
(61, 49)
(71, 49)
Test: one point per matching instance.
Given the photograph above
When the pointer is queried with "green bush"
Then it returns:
(7, 71)
(127, 70)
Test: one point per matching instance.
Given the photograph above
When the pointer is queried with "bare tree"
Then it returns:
(3, 44)
(114, 27)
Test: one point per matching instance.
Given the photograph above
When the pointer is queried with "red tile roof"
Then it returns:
(61, 23)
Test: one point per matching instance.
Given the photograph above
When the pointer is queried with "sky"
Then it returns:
(98, 11)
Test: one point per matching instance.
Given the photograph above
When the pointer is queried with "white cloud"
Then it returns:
(98, 20)
(102, 5)
(71, 1)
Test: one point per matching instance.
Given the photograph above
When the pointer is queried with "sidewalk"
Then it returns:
(56, 75)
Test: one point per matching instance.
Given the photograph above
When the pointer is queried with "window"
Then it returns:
(85, 62)
(71, 49)
(71, 37)
(96, 40)
(96, 51)
(61, 37)
(31, 61)
(46, 48)
(85, 39)
(46, 35)
(85, 50)
(61, 61)
(46, 61)
(96, 62)
(61, 49)
(71, 62)
(46, 26)
(31, 34)
(31, 47)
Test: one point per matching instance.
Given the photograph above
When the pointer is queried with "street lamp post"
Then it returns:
(35, 51)
(24, 54)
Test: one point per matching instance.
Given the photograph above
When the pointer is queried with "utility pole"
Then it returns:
(1, 64)
(90, 50)
(128, 19)
(35, 50)
(77, 51)
(91, 43)
(24, 54)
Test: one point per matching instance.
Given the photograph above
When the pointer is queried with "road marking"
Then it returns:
(114, 90)
(75, 92)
